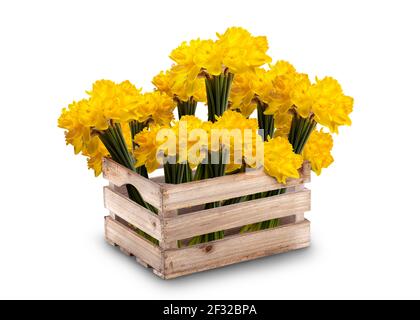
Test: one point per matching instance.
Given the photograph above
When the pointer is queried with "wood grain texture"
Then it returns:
(181, 216)
(132, 243)
(235, 249)
(226, 187)
(133, 213)
(120, 175)
(299, 217)
(236, 215)
(166, 242)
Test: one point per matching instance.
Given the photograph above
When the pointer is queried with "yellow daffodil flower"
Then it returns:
(280, 161)
(242, 93)
(325, 99)
(241, 51)
(282, 123)
(318, 151)
(176, 85)
(149, 147)
(233, 125)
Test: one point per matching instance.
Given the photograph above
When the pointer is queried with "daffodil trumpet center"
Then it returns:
(218, 91)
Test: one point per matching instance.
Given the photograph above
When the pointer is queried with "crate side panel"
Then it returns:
(226, 187)
(237, 215)
(236, 249)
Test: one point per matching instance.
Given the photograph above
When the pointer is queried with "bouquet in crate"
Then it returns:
(234, 78)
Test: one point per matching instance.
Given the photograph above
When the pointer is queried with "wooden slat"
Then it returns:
(120, 175)
(237, 215)
(223, 188)
(236, 249)
(133, 213)
(127, 239)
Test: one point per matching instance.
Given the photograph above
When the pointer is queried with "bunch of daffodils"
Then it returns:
(185, 93)
(234, 52)
(235, 78)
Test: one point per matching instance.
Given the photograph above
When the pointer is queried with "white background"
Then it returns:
(365, 210)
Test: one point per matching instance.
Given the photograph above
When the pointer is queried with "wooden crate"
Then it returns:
(181, 216)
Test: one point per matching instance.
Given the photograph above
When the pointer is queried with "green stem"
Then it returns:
(218, 91)
(217, 95)
(114, 142)
(198, 175)
(223, 88)
(186, 108)
(210, 101)
(110, 147)
(292, 130)
(135, 128)
(301, 130)
(265, 122)
(209, 170)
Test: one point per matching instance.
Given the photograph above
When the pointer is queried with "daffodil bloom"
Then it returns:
(153, 107)
(81, 138)
(241, 51)
(109, 102)
(192, 139)
(318, 151)
(185, 58)
(273, 87)
(164, 82)
(84, 120)
(95, 152)
(282, 123)
(322, 102)
(268, 90)
(242, 93)
(77, 134)
(176, 85)
(185, 93)
(239, 135)
(280, 161)
(325, 99)
(149, 147)
(331, 107)
(235, 51)
(300, 95)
